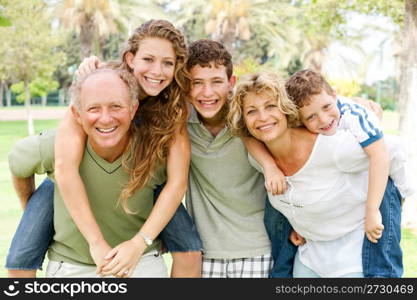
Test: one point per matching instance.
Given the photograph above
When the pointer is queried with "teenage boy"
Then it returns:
(105, 98)
(226, 195)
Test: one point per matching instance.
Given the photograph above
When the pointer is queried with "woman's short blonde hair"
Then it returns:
(258, 83)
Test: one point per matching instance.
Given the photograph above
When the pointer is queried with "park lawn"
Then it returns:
(390, 122)
(409, 246)
(10, 211)
(33, 107)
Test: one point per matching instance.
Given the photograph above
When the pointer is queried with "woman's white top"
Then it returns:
(325, 203)
(400, 171)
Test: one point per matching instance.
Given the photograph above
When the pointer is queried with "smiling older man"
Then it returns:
(104, 103)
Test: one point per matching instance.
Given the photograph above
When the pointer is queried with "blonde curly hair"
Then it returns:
(258, 83)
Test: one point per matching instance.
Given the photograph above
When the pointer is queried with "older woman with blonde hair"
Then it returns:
(326, 177)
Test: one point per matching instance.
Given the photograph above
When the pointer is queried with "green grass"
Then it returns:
(33, 107)
(409, 246)
(390, 122)
(10, 211)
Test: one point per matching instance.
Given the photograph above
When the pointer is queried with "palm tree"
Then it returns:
(91, 19)
(138, 11)
(232, 21)
(320, 49)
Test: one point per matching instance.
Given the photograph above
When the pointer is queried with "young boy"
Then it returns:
(322, 111)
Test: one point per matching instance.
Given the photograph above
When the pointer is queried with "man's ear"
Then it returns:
(129, 59)
(76, 114)
(134, 109)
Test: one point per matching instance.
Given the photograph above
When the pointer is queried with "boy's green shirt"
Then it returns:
(226, 195)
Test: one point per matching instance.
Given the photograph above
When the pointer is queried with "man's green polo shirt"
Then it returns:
(103, 181)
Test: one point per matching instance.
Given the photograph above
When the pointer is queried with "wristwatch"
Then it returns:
(148, 240)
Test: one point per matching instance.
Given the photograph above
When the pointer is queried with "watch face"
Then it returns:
(147, 240)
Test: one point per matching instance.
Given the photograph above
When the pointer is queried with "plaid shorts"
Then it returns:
(248, 267)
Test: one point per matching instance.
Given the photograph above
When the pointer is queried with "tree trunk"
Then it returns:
(31, 129)
(100, 43)
(314, 59)
(67, 94)
(8, 96)
(87, 37)
(408, 103)
(44, 99)
(1, 93)
(408, 64)
(228, 37)
(61, 97)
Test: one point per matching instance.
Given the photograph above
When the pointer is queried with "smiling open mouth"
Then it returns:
(106, 130)
(266, 127)
(154, 81)
(208, 102)
(328, 126)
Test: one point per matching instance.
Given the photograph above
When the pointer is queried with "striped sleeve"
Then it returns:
(362, 123)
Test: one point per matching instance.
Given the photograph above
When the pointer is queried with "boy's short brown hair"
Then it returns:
(204, 52)
(304, 84)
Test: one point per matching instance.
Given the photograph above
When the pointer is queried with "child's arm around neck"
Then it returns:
(274, 178)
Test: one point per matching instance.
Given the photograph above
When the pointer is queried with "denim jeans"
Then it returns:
(385, 258)
(180, 234)
(283, 251)
(35, 231)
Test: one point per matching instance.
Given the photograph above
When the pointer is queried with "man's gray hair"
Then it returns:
(126, 76)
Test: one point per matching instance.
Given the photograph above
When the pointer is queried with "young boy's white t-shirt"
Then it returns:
(366, 128)
(362, 123)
